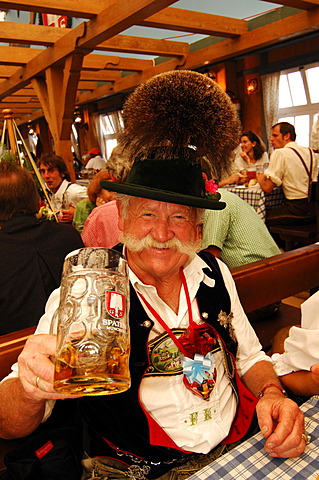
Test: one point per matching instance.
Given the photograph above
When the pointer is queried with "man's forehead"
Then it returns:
(155, 204)
(276, 130)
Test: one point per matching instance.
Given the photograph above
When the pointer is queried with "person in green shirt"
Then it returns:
(237, 235)
(96, 196)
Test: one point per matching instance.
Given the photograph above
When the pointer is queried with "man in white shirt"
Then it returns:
(63, 194)
(293, 174)
(95, 160)
(196, 365)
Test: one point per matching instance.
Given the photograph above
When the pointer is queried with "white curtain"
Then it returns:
(98, 133)
(107, 129)
(270, 91)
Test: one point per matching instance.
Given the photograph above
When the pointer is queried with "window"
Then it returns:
(110, 125)
(299, 100)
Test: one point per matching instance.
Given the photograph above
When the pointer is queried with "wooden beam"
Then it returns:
(28, 34)
(21, 56)
(31, 117)
(71, 8)
(290, 27)
(87, 85)
(111, 21)
(7, 71)
(24, 92)
(22, 100)
(301, 4)
(196, 22)
(99, 76)
(110, 62)
(18, 107)
(145, 46)
(17, 56)
(129, 82)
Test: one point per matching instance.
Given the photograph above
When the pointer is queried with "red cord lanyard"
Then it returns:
(164, 325)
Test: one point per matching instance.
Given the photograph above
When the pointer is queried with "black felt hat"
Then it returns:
(171, 123)
(171, 180)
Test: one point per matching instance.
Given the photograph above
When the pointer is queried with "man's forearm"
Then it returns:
(19, 414)
(259, 375)
(265, 183)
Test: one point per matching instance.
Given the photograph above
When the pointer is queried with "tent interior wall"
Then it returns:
(95, 64)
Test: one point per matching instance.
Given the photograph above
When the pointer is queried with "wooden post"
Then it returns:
(8, 116)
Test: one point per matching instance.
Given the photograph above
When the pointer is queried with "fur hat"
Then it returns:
(189, 117)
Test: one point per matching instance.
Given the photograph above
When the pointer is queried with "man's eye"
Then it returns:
(179, 217)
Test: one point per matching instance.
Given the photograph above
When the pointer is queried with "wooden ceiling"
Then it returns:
(65, 67)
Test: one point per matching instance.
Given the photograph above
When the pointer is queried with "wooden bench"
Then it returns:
(302, 234)
(10, 347)
(276, 278)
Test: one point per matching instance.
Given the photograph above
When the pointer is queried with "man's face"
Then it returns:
(51, 176)
(158, 222)
(278, 140)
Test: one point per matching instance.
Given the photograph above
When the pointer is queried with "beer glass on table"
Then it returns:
(91, 322)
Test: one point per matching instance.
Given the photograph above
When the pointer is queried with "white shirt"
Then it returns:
(97, 163)
(67, 194)
(301, 346)
(286, 169)
(194, 424)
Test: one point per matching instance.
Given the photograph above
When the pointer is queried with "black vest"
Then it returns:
(119, 419)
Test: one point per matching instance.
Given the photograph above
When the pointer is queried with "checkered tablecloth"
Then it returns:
(257, 198)
(250, 461)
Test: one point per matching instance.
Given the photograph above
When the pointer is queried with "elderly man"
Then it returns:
(182, 305)
(294, 168)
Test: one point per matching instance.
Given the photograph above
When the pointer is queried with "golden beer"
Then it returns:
(93, 341)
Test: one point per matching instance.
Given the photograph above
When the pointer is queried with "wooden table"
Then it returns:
(257, 198)
(250, 461)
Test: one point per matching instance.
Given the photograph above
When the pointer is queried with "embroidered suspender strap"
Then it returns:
(161, 321)
(309, 171)
(163, 324)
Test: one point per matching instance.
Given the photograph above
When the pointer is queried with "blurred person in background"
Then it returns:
(94, 159)
(253, 151)
(101, 226)
(63, 194)
(294, 168)
(96, 196)
(32, 251)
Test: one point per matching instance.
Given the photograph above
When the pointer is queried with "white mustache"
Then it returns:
(139, 244)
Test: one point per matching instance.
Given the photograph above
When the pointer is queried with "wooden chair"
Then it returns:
(299, 234)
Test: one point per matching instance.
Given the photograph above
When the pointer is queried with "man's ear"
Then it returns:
(199, 231)
(287, 138)
(121, 220)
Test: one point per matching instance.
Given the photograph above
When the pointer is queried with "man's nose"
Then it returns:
(161, 231)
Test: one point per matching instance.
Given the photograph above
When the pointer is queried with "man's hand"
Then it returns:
(66, 216)
(36, 369)
(282, 423)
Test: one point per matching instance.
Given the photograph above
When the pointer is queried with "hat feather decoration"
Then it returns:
(181, 109)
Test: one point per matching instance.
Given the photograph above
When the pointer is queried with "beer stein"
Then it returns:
(91, 322)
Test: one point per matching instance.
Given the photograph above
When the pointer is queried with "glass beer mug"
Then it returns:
(91, 322)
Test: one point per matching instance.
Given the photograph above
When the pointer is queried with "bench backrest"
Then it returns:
(266, 281)
(10, 348)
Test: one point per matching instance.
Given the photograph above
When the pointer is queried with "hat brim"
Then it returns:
(162, 195)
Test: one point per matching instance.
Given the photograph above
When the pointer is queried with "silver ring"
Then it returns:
(37, 382)
(306, 438)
